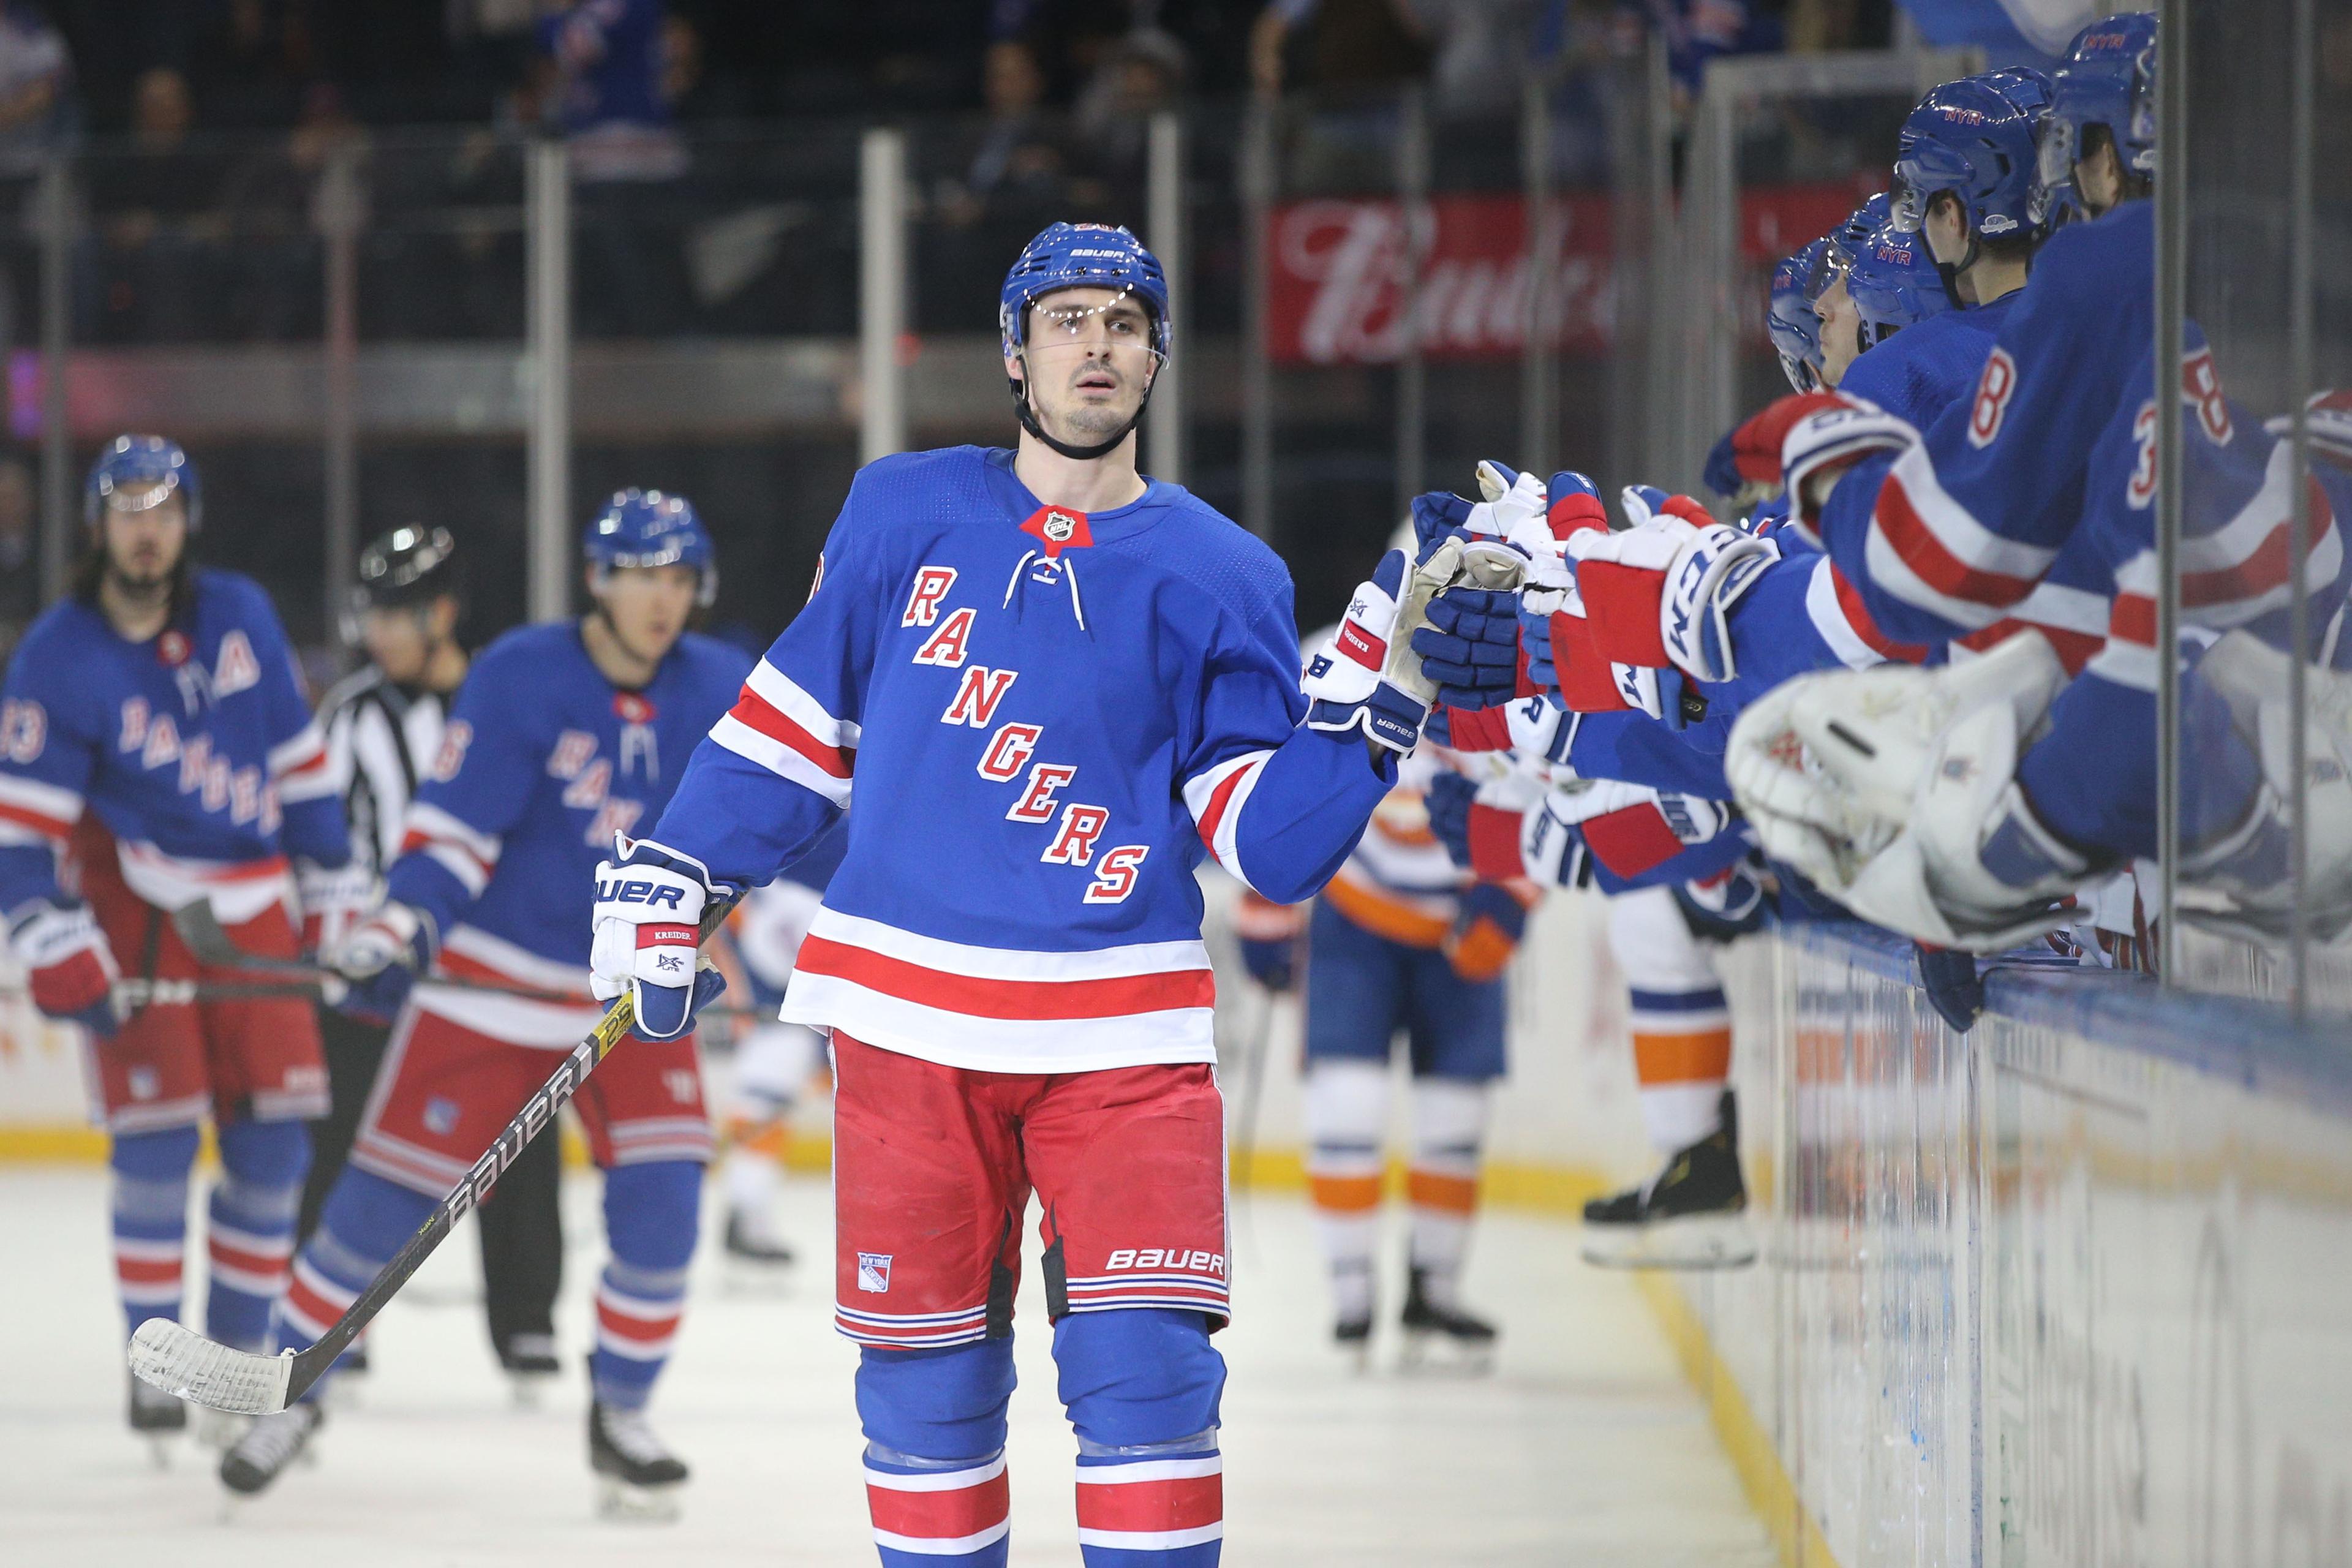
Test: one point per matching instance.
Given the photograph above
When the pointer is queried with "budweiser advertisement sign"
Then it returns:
(1336, 290)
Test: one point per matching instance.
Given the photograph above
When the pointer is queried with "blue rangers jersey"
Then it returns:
(194, 748)
(541, 762)
(1050, 718)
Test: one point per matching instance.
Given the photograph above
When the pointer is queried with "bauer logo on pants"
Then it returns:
(874, 1271)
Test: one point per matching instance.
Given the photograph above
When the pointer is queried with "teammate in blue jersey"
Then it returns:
(1055, 686)
(155, 752)
(563, 736)
(1953, 528)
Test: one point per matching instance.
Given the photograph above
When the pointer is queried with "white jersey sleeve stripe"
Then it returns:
(779, 691)
(782, 758)
(1216, 799)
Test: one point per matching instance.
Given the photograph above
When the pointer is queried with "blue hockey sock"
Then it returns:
(366, 1219)
(251, 1233)
(151, 1219)
(934, 1428)
(650, 1214)
(1143, 1387)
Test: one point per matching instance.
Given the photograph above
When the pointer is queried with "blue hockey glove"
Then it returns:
(1725, 905)
(1722, 471)
(648, 912)
(1471, 647)
(1273, 965)
(1448, 799)
(380, 958)
(1343, 685)
(1954, 987)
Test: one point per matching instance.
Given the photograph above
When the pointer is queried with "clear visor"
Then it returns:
(1906, 203)
(1798, 372)
(137, 495)
(2054, 150)
(1056, 321)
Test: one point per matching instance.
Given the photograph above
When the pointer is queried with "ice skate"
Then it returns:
(757, 1262)
(271, 1444)
(638, 1477)
(1353, 1336)
(220, 1429)
(158, 1417)
(1438, 1333)
(1692, 1215)
(530, 1367)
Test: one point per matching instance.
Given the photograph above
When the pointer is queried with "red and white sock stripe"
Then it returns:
(1153, 1505)
(943, 1513)
(147, 1273)
(312, 1301)
(246, 1261)
(634, 1328)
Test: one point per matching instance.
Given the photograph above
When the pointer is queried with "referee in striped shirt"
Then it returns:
(382, 726)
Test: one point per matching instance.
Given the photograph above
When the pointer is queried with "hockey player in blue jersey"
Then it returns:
(563, 735)
(1954, 527)
(1053, 685)
(155, 751)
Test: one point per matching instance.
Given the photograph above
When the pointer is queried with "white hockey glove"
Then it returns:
(649, 906)
(2240, 882)
(381, 957)
(1357, 681)
(1895, 790)
(333, 900)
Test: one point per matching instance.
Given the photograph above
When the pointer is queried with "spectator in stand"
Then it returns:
(20, 576)
(1019, 155)
(1139, 75)
(1335, 46)
(36, 87)
(149, 268)
(272, 203)
(603, 60)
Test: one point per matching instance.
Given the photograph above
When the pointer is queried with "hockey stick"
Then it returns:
(212, 946)
(184, 1362)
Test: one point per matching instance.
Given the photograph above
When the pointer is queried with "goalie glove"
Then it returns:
(650, 900)
(1660, 594)
(1894, 790)
(70, 966)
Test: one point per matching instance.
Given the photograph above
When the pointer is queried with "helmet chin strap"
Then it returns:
(1028, 417)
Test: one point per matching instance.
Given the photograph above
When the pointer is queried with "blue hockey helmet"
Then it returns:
(1846, 240)
(2024, 85)
(652, 528)
(1969, 138)
(2109, 80)
(137, 473)
(1894, 283)
(1081, 256)
(1795, 330)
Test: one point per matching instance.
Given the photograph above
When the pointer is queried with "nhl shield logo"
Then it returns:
(441, 1116)
(874, 1272)
(1059, 526)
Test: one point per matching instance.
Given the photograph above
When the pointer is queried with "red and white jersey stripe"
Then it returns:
(1925, 549)
(995, 1009)
(34, 813)
(466, 852)
(787, 732)
(1837, 612)
(298, 765)
(1154, 1505)
(312, 1301)
(473, 954)
(941, 1513)
(1216, 798)
(239, 891)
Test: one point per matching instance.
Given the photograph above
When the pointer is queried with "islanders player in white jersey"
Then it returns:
(1403, 941)
(563, 735)
(156, 751)
(1053, 685)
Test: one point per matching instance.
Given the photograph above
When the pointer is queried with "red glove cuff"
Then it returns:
(73, 985)
(1632, 841)
(1756, 445)
(1620, 606)
(1586, 684)
(1478, 728)
(1574, 513)
(1495, 844)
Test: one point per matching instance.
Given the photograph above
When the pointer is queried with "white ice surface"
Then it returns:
(1583, 1447)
